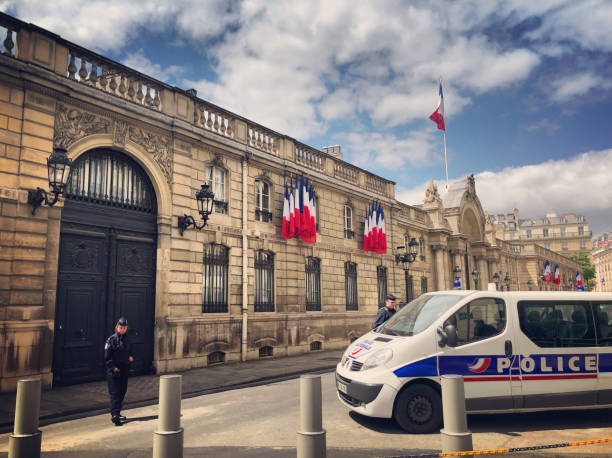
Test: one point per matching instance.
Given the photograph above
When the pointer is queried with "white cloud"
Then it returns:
(574, 85)
(579, 184)
(138, 61)
(548, 126)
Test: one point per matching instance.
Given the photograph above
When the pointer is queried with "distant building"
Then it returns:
(602, 260)
(565, 234)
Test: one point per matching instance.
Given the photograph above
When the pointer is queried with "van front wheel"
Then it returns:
(418, 409)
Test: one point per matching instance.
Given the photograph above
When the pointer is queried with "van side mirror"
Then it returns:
(443, 337)
(451, 335)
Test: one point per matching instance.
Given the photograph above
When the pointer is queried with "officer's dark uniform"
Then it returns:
(384, 313)
(117, 352)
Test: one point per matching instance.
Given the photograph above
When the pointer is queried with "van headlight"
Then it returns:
(378, 359)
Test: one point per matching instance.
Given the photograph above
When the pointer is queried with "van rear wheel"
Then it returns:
(418, 409)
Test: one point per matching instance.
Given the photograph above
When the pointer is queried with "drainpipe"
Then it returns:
(245, 259)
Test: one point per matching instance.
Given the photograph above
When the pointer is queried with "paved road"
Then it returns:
(262, 421)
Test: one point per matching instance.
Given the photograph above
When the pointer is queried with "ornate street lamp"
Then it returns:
(58, 168)
(409, 255)
(507, 281)
(205, 198)
(475, 276)
(457, 272)
(496, 280)
(530, 284)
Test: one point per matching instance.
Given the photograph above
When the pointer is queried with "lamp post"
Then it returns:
(496, 280)
(409, 255)
(507, 281)
(530, 284)
(204, 198)
(475, 275)
(58, 168)
(457, 272)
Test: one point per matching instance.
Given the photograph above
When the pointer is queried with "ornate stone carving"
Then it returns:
(120, 133)
(72, 124)
(155, 145)
(431, 194)
(471, 185)
(218, 160)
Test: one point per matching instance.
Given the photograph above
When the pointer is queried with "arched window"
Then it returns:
(350, 285)
(262, 201)
(214, 290)
(313, 284)
(216, 177)
(264, 281)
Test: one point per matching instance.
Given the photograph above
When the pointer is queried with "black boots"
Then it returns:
(116, 419)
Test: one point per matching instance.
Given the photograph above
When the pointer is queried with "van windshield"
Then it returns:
(418, 315)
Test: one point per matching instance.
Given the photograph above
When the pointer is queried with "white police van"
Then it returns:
(517, 351)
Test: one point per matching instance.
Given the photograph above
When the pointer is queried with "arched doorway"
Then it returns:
(107, 265)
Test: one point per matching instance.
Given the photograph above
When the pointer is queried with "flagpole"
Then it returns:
(445, 160)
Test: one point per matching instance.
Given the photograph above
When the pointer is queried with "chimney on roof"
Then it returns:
(333, 151)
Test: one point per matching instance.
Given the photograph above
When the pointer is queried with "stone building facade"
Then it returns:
(235, 290)
(566, 234)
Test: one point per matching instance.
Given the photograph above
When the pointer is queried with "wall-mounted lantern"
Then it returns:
(475, 276)
(457, 273)
(409, 255)
(205, 198)
(58, 168)
(496, 280)
(507, 281)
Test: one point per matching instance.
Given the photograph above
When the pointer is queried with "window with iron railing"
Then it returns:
(423, 285)
(262, 201)
(350, 285)
(214, 290)
(313, 284)
(264, 281)
(381, 280)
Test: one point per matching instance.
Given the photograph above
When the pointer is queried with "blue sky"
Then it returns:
(528, 84)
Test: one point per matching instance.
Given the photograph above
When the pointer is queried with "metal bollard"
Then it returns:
(26, 438)
(311, 437)
(168, 439)
(455, 436)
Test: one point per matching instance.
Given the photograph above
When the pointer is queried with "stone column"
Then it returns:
(483, 279)
(440, 268)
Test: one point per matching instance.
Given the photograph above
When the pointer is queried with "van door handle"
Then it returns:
(508, 348)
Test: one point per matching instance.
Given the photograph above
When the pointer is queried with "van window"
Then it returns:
(603, 316)
(480, 319)
(557, 324)
(418, 315)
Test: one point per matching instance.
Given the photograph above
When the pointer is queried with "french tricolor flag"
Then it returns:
(438, 115)
(557, 275)
(286, 233)
(547, 274)
(579, 284)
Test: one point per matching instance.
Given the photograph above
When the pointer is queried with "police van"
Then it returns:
(517, 351)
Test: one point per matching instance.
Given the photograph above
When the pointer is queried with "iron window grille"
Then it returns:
(381, 280)
(313, 284)
(409, 286)
(421, 249)
(215, 176)
(262, 201)
(350, 285)
(348, 223)
(214, 290)
(110, 178)
(423, 285)
(264, 281)
(263, 215)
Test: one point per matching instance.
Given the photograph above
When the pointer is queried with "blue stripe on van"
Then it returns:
(605, 362)
(424, 368)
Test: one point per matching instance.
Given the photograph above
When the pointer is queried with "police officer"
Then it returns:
(117, 357)
(385, 312)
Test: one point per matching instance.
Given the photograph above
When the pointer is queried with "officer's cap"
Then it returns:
(121, 322)
(390, 297)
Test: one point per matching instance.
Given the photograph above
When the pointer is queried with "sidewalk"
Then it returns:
(75, 401)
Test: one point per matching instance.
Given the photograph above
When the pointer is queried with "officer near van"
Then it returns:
(385, 312)
(117, 358)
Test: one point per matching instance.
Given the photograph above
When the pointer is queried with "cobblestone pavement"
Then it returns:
(75, 401)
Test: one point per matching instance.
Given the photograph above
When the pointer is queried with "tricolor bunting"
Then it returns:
(299, 211)
(374, 231)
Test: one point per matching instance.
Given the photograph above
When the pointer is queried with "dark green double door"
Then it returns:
(106, 270)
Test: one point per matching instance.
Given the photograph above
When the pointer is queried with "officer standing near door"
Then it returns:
(117, 358)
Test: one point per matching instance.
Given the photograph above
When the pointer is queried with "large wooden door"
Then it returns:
(106, 266)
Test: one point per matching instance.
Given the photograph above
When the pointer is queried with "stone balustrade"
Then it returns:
(8, 44)
(215, 120)
(262, 139)
(346, 172)
(113, 78)
(309, 157)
